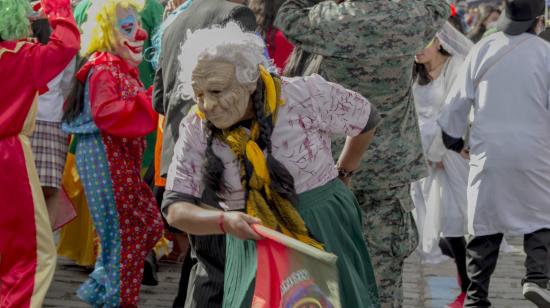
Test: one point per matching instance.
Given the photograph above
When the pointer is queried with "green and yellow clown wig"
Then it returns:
(98, 32)
(14, 23)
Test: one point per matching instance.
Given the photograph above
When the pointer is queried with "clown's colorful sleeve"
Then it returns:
(129, 116)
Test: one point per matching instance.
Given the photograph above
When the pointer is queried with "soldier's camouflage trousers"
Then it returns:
(391, 235)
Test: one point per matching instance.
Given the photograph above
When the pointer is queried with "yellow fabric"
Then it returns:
(200, 114)
(162, 247)
(243, 145)
(256, 157)
(78, 238)
(271, 93)
(45, 248)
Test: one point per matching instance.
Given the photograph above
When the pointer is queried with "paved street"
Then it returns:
(434, 286)
(62, 293)
(425, 285)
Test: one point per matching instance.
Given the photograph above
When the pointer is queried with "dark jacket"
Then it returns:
(201, 14)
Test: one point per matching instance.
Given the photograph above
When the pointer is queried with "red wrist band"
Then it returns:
(220, 222)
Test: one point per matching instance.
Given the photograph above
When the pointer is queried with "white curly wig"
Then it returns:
(227, 43)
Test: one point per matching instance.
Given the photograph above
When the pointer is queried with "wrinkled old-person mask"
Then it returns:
(219, 95)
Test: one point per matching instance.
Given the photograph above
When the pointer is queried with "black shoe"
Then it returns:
(150, 269)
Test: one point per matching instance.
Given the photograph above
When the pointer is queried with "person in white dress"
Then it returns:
(506, 81)
(440, 199)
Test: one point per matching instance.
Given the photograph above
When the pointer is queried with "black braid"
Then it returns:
(213, 166)
(282, 181)
(265, 128)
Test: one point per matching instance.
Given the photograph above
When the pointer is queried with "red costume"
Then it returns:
(117, 115)
(27, 251)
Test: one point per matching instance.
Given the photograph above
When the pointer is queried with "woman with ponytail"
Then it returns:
(260, 144)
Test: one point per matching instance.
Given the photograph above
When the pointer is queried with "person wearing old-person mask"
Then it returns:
(261, 145)
(109, 113)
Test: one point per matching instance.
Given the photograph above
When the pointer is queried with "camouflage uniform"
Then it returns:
(369, 46)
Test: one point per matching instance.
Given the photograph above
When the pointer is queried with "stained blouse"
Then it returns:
(314, 110)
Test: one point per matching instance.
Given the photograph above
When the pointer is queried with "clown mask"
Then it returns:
(219, 95)
(129, 36)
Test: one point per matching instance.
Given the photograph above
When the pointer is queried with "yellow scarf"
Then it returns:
(275, 211)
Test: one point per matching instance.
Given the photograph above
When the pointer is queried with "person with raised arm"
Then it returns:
(27, 251)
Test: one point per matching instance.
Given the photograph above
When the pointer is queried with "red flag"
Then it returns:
(292, 274)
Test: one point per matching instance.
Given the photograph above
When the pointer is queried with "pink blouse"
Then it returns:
(314, 110)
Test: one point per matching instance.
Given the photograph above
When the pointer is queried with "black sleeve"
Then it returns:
(452, 143)
(245, 17)
(373, 121)
(171, 197)
(158, 92)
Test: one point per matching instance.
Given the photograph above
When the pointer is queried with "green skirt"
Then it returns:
(332, 215)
